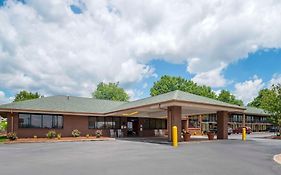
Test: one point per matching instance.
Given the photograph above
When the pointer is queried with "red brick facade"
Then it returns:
(70, 122)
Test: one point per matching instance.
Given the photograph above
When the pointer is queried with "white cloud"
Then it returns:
(4, 99)
(217, 92)
(134, 94)
(249, 89)
(276, 79)
(45, 47)
(213, 78)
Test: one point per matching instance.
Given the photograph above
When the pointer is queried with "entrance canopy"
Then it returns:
(157, 106)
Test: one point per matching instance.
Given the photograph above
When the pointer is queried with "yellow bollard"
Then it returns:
(243, 134)
(175, 136)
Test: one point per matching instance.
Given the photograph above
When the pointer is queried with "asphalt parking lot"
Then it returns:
(227, 157)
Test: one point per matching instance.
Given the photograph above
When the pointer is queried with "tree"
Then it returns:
(25, 95)
(3, 125)
(171, 83)
(259, 101)
(270, 100)
(110, 91)
(226, 96)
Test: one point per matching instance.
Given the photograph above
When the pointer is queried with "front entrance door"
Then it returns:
(133, 127)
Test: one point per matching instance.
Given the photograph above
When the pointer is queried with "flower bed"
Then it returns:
(63, 139)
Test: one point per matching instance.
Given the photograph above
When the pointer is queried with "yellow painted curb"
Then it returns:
(277, 158)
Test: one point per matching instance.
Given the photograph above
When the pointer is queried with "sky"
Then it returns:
(67, 47)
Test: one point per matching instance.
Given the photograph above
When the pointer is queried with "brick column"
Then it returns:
(222, 124)
(174, 119)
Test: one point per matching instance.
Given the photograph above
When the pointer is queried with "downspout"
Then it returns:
(12, 121)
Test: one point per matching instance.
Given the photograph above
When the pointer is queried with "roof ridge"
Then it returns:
(92, 98)
(176, 94)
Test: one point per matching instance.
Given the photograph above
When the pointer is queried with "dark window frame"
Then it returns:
(29, 126)
(147, 125)
(113, 119)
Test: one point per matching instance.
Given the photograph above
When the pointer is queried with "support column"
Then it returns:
(244, 120)
(222, 124)
(174, 119)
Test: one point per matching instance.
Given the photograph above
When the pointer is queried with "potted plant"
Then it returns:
(87, 135)
(59, 136)
(51, 134)
(12, 136)
(211, 135)
(76, 133)
(186, 135)
(98, 133)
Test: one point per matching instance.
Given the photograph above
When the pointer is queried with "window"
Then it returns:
(40, 121)
(100, 123)
(193, 122)
(159, 124)
(92, 122)
(104, 122)
(164, 124)
(36, 121)
(47, 121)
(57, 121)
(108, 122)
(24, 120)
(152, 124)
(116, 122)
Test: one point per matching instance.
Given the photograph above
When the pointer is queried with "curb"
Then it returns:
(59, 141)
(277, 158)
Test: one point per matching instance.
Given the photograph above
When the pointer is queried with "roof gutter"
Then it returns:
(170, 101)
(50, 112)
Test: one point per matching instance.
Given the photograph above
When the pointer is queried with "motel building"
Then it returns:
(148, 117)
(256, 119)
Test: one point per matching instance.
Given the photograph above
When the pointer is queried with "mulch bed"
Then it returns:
(55, 140)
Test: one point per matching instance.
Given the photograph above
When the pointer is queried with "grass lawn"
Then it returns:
(2, 139)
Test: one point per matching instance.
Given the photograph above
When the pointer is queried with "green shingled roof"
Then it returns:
(91, 105)
(177, 96)
(255, 111)
(65, 104)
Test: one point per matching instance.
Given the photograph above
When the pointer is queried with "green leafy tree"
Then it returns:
(110, 91)
(227, 97)
(3, 125)
(25, 95)
(259, 101)
(270, 100)
(171, 83)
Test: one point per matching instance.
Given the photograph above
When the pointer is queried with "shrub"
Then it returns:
(35, 136)
(76, 133)
(3, 125)
(278, 134)
(12, 136)
(87, 135)
(51, 134)
(59, 136)
(98, 133)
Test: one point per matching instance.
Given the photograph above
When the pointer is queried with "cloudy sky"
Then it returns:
(68, 47)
